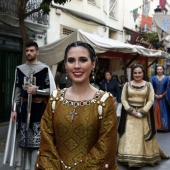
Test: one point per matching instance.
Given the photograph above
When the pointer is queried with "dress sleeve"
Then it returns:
(167, 95)
(124, 99)
(152, 82)
(103, 153)
(48, 158)
(150, 99)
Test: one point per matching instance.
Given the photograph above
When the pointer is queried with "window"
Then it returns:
(112, 8)
(92, 1)
(65, 31)
(112, 34)
(96, 3)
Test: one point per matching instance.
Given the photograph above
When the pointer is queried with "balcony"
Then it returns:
(37, 22)
(9, 7)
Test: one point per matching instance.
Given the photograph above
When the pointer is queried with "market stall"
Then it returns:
(53, 53)
(120, 55)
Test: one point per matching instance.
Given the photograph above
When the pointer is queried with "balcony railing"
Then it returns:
(11, 7)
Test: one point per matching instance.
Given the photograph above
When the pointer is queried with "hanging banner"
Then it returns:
(146, 9)
(135, 12)
(162, 4)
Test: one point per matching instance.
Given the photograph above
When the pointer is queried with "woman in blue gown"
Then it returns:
(160, 84)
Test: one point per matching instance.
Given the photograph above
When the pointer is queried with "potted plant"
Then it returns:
(153, 38)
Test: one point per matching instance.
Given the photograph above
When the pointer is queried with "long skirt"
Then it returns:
(133, 149)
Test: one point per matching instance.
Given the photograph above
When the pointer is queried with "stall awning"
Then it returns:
(54, 52)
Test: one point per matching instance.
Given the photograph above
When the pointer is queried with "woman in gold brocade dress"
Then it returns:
(79, 125)
(137, 144)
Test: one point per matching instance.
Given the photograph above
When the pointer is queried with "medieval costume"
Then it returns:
(16, 141)
(168, 93)
(78, 135)
(138, 145)
(161, 106)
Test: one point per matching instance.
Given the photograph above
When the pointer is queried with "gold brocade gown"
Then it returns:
(133, 149)
(76, 136)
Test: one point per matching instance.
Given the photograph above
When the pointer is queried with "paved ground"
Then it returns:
(164, 142)
(163, 139)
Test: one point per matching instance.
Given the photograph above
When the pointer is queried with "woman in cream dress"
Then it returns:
(138, 145)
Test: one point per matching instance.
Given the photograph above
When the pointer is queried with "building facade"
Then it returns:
(106, 18)
(101, 17)
(141, 14)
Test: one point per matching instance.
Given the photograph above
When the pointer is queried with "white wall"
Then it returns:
(98, 11)
(53, 32)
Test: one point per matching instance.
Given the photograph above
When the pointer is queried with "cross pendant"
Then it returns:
(73, 113)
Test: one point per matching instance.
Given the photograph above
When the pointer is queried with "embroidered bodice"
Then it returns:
(83, 138)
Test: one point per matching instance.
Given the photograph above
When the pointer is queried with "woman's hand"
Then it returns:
(134, 113)
(158, 96)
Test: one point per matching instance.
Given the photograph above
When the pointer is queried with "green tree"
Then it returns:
(23, 14)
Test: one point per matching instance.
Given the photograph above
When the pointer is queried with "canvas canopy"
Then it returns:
(53, 53)
(163, 24)
(163, 28)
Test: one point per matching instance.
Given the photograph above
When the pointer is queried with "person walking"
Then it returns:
(79, 125)
(161, 84)
(111, 85)
(137, 144)
(32, 86)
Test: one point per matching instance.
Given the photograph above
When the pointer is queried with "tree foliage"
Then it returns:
(46, 3)
(23, 14)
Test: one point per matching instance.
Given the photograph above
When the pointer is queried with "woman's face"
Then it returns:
(78, 64)
(160, 70)
(107, 76)
(138, 74)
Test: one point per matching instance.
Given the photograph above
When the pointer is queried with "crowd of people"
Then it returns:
(57, 128)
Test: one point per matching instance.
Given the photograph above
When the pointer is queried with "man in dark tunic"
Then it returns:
(39, 86)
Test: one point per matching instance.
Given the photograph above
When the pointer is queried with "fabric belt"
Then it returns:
(35, 100)
(137, 107)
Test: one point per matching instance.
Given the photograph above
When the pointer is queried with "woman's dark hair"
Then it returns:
(141, 67)
(90, 49)
(159, 65)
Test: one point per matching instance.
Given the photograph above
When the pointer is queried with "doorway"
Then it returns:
(8, 62)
